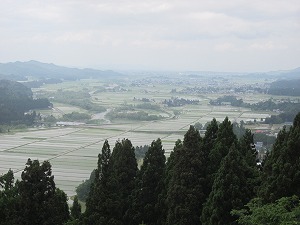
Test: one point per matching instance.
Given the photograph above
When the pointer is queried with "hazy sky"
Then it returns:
(215, 35)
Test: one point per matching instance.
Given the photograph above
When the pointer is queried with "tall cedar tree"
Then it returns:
(219, 147)
(281, 171)
(96, 208)
(121, 182)
(76, 208)
(162, 198)
(249, 153)
(229, 190)
(248, 148)
(57, 209)
(211, 134)
(40, 201)
(209, 142)
(185, 194)
(148, 186)
(9, 200)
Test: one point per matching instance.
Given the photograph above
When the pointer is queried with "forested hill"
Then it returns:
(49, 70)
(285, 87)
(15, 100)
(287, 74)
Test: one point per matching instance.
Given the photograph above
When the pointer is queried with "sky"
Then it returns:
(172, 35)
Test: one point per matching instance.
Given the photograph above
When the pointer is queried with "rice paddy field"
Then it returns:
(73, 150)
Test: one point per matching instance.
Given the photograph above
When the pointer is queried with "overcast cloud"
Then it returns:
(216, 35)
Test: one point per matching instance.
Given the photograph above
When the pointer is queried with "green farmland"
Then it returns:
(73, 150)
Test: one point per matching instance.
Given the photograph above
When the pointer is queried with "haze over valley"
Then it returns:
(152, 112)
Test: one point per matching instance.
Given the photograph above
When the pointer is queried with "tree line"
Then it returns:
(208, 180)
(15, 100)
(288, 109)
(285, 87)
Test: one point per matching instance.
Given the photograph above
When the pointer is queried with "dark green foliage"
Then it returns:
(267, 140)
(228, 98)
(57, 209)
(114, 182)
(77, 98)
(249, 154)
(238, 129)
(185, 194)
(76, 208)
(229, 191)
(281, 171)
(9, 200)
(148, 186)
(217, 142)
(34, 200)
(148, 106)
(203, 178)
(162, 198)
(289, 108)
(36, 188)
(248, 148)
(198, 126)
(14, 90)
(15, 100)
(285, 210)
(98, 196)
(211, 134)
(175, 102)
(134, 112)
(122, 181)
(41, 202)
(76, 116)
(83, 189)
(140, 151)
(287, 116)
(285, 87)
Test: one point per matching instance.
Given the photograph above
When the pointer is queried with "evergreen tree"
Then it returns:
(248, 148)
(162, 198)
(229, 190)
(84, 188)
(96, 208)
(121, 182)
(9, 200)
(41, 202)
(219, 147)
(76, 208)
(108, 200)
(185, 194)
(249, 153)
(210, 134)
(57, 208)
(281, 171)
(36, 188)
(149, 186)
(209, 142)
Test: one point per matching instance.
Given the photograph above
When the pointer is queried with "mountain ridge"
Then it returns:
(50, 70)
(20, 70)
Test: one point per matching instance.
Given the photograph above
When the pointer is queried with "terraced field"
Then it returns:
(73, 151)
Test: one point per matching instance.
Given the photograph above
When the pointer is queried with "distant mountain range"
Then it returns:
(286, 74)
(19, 70)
